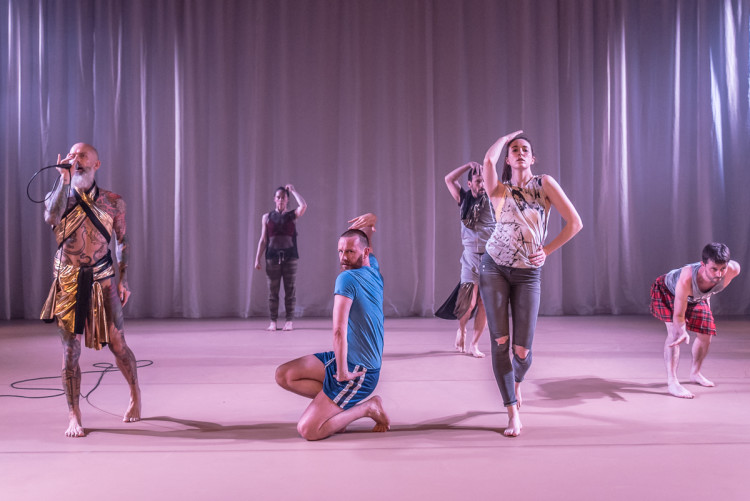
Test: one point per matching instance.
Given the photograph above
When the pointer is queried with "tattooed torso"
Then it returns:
(87, 245)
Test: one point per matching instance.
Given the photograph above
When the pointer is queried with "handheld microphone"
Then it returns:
(64, 166)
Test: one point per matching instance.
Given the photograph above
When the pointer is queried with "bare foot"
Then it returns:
(460, 340)
(133, 413)
(678, 390)
(376, 412)
(514, 423)
(700, 379)
(75, 429)
(474, 351)
(271, 326)
(288, 326)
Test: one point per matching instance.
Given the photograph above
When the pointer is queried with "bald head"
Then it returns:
(85, 161)
(81, 147)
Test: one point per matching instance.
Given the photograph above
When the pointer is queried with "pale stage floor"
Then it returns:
(598, 423)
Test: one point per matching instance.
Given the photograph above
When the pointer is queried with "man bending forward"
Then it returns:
(681, 299)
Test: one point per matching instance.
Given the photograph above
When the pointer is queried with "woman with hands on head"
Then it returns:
(278, 241)
(510, 273)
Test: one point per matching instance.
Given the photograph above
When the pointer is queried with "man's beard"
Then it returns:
(353, 266)
(82, 180)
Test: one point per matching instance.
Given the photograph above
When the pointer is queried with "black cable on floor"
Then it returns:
(105, 366)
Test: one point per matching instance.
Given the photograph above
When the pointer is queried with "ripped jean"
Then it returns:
(520, 288)
(276, 270)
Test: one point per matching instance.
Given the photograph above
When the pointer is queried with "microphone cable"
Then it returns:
(105, 367)
(54, 187)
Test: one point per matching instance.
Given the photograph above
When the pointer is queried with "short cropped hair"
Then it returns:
(716, 252)
(357, 233)
(474, 170)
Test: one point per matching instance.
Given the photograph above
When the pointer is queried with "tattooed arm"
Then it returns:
(122, 249)
(57, 200)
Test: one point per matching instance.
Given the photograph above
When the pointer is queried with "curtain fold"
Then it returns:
(199, 110)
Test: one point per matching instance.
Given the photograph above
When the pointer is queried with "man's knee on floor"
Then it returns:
(308, 431)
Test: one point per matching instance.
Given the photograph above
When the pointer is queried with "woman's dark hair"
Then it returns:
(281, 188)
(716, 252)
(507, 174)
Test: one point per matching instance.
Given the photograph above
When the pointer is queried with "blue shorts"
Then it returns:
(347, 394)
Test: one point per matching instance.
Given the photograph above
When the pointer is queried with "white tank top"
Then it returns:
(521, 226)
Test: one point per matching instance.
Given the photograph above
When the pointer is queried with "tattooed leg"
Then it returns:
(127, 365)
(123, 356)
(71, 382)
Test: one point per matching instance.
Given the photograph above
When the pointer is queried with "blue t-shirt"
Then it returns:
(364, 286)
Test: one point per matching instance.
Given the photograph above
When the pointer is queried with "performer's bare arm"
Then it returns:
(301, 204)
(573, 224)
(366, 224)
(341, 307)
(261, 241)
(681, 293)
(733, 269)
(452, 181)
(491, 178)
(57, 201)
(122, 248)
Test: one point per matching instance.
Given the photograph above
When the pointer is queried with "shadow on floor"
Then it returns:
(575, 391)
(206, 430)
(198, 430)
(426, 354)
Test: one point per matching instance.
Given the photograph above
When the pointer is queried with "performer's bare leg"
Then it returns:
(672, 361)
(460, 343)
(323, 418)
(700, 350)
(518, 395)
(514, 411)
(124, 358)
(303, 376)
(71, 381)
(480, 321)
(127, 364)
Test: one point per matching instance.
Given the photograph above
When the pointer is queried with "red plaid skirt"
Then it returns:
(698, 316)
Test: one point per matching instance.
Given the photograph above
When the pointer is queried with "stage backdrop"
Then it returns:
(200, 109)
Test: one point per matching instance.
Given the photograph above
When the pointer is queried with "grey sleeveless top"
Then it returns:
(696, 295)
(477, 221)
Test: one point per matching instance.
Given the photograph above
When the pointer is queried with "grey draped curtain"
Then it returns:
(200, 109)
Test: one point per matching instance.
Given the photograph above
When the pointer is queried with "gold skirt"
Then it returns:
(61, 302)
